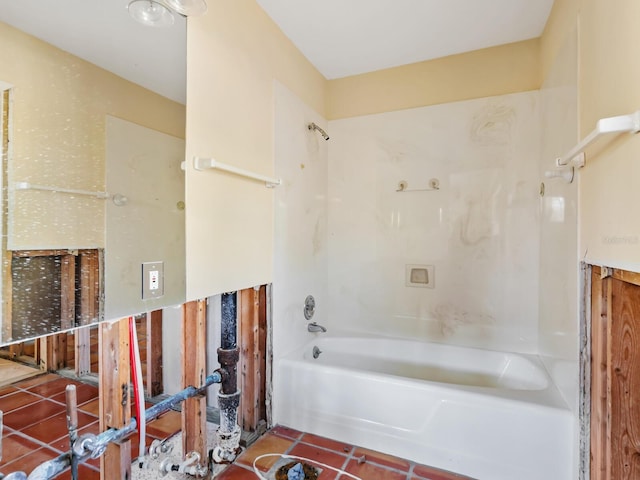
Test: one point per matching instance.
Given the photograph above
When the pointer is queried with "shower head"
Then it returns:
(312, 126)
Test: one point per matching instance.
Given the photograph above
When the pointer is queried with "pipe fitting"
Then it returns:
(190, 466)
(159, 447)
(228, 357)
(89, 443)
(14, 476)
(228, 446)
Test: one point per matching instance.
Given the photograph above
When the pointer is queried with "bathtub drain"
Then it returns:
(295, 457)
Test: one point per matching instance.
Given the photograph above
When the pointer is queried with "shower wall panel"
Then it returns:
(480, 229)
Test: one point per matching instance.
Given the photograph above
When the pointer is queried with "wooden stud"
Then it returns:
(623, 382)
(53, 352)
(90, 293)
(16, 350)
(115, 410)
(626, 276)
(252, 366)
(248, 305)
(154, 353)
(68, 292)
(116, 461)
(7, 295)
(82, 350)
(598, 375)
(194, 363)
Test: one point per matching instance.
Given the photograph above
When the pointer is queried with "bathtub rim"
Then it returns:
(548, 397)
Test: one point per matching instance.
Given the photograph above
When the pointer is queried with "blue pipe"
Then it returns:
(94, 445)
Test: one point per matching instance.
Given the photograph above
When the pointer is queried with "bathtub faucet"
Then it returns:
(314, 327)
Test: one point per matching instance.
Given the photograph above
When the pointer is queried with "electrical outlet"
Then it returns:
(152, 280)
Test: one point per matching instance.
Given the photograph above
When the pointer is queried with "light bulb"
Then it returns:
(187, 7)
(151, 13)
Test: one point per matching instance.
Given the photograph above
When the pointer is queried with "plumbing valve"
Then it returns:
(159, 447)
(227, 448)
(190, 466)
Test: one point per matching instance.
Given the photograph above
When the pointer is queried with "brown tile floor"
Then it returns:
(35, 431)
(35, 426)
(366, 464)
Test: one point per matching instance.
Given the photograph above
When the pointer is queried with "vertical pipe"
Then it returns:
(229, 321)
(72, 426)
(228, 434)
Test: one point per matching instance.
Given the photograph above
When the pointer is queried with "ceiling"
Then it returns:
(102, 32)
(349, 37)
(340, 37)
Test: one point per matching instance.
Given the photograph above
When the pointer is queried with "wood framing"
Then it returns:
(68, 292)
(53, 352)
(90, 287)
(82, 350)
(615, 377)
(194, 364)
(71, 288)
(598, 371)
(115, 410)
(252, 326)
(154, 353)
(7, 289)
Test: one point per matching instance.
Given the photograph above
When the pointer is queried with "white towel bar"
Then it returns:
(117, 198)
(47, 188)
(210, 163)
(620, 124)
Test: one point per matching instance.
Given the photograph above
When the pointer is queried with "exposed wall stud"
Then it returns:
(154, 353)
(194, 363)
(115, 410)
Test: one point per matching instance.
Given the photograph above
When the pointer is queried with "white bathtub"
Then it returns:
(488, 415)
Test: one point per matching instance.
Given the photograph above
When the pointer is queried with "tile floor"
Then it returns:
(366, 464)
(35, 425)
(35, 431)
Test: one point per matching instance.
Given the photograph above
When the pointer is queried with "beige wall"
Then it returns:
(234, 54)
(482, 73)
(58, 111)
(609, 74)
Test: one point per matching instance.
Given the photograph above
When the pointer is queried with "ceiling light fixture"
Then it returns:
(188, 7)
(159, 13)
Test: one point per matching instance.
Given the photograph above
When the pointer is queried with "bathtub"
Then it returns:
(489, 415)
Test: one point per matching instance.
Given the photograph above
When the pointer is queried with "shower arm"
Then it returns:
(312, 126)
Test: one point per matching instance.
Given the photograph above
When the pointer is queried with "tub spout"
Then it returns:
(314, 327)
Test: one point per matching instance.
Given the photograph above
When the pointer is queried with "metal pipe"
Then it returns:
(94, 445)
(228, 434)
(72, 426)
(228, 336)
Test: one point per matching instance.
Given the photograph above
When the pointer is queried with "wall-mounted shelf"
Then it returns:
(200, 163)
(119, 199)
(620, 124)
